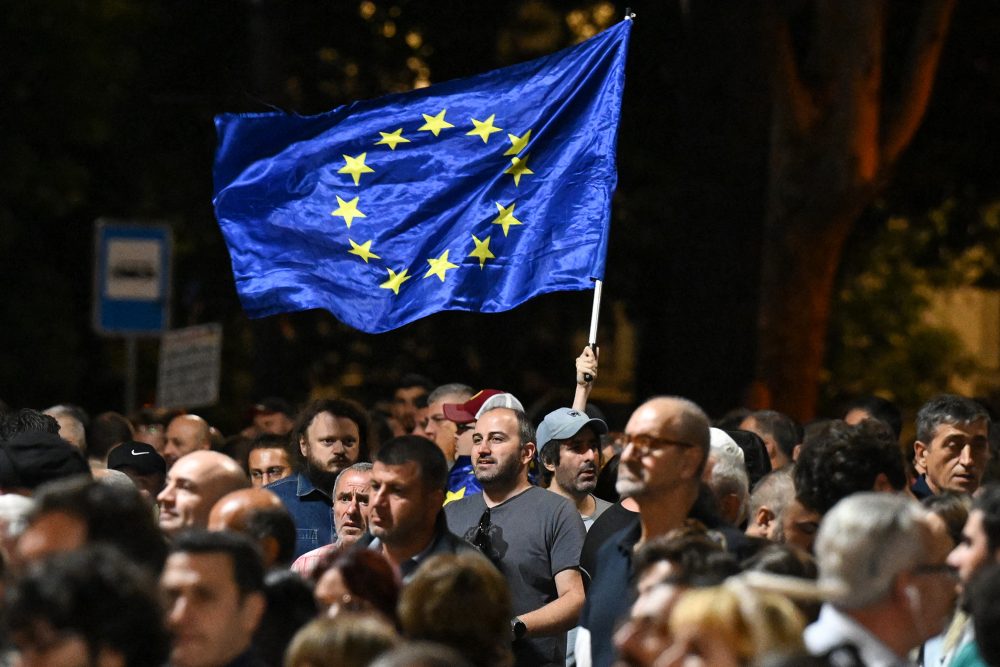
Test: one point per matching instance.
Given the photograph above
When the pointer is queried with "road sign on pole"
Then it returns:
(190, 366)
(132, 267)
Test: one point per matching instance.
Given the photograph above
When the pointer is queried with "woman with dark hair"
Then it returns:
(356, 579)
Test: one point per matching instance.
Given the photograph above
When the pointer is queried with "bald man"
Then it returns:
(194, 484)
(186, 434)
(260, 515)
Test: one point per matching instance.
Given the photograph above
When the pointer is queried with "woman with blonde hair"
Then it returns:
(351, 639)
(730, 626)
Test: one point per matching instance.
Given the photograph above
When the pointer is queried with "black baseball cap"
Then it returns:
(139, 456)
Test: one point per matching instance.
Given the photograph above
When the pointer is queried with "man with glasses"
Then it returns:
(666, 447)
(532, 535)
(883, 571)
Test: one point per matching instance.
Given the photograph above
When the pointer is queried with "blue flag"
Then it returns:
(476, 194)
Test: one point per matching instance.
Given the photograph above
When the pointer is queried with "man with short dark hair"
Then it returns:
(569, 444)
(407, 493)
(268, 460)
(778, 431)
(533, 536)
(952, 446)
(332, 435)
(213, 589)
(843, 459)
(85, 608)
(405, 397)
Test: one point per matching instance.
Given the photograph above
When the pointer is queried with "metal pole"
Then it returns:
(131, 364)
(592, 339)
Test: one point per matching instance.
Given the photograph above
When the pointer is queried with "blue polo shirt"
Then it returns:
(311, 510)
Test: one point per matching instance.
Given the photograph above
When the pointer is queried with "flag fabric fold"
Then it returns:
(476, 194)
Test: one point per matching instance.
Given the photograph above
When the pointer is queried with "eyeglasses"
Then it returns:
(644, 445)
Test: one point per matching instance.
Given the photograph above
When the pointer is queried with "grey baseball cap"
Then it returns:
(565, 423)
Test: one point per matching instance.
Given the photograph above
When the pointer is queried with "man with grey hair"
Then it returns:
(882, 567)
(666, 447)
(726, 475)
(952, 445)
(436, 426)
(71, 427)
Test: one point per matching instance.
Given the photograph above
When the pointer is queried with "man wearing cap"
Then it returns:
(568, 447)
(462, 478)
(143, 465)
(32, 458)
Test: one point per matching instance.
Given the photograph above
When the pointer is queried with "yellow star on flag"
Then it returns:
(518, 168)
(440, 266)
(348, 210)
(506, 217)
(482, 251)
(434, 123)
(364, 251)
(484, 128)
(451, 496)
(517, 144)
(395, 280)
(391, 139)
(355, 167)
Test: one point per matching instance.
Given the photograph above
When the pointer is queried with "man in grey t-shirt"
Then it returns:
(534, 536)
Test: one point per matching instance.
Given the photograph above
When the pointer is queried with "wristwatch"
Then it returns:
(517, 629)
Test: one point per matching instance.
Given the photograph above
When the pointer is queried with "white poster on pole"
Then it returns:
(190, 367)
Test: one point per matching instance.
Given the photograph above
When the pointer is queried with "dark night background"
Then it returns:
(107, 111)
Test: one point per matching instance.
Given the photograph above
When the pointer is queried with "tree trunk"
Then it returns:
(835, 137)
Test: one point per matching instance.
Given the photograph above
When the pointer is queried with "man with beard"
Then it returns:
(532, 535)
(332, 435)
(666, 447)
(569, 443)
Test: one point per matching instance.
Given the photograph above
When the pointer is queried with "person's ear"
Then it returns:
(303, 446)
(270, 549)
(920, 451)
(528, 452)
(551, 467)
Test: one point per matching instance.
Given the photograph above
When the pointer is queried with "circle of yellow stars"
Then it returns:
(356, 167)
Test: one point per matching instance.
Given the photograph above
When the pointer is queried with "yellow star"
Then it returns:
(518, 168)
(355, 167)
(390, 139)
(506, 217)
(451, 496)
(434, 123)
(364, 251)
(517, 144)
(482, 251)
(440, 266)
(484, 128)
(348, 210)
(395, 280)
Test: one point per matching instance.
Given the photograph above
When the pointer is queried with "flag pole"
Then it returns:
(593, 323)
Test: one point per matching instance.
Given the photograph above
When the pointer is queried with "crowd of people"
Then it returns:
(457, 530)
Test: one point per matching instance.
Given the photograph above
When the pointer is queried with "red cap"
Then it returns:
(463, 413)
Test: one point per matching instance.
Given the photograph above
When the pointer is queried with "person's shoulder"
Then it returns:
(463, 506)
(285, 487)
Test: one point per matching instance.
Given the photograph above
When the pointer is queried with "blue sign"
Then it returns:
(132, 278)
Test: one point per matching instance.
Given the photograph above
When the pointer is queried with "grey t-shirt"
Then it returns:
(534, 536)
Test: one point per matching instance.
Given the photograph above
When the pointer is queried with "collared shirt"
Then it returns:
(835, 628)
(442, 542)
(311, 509)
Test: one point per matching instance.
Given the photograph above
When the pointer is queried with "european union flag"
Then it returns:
(476, 194)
